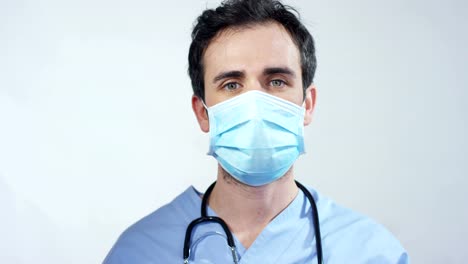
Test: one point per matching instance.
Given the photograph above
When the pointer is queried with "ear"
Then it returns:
(310, 96)
(201, 113)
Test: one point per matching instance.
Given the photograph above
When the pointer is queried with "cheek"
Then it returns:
(212, 97)
(294, 95)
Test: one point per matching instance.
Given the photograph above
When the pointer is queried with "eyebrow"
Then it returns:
(281, 70)
(228, 74)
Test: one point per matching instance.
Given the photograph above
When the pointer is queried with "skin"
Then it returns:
(255, 57)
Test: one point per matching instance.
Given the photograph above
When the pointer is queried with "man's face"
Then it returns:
(259, 57)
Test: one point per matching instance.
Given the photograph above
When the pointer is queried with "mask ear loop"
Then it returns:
(204, 105)
(303, 98)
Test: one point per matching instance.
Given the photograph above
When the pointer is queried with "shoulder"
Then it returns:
(348, 235)
(158, 235)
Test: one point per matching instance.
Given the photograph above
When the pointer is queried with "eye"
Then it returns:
(231, 86)
(277, 83)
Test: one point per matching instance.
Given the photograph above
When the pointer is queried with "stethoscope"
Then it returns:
(230, 240)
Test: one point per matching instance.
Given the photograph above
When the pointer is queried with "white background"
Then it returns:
(96, 128)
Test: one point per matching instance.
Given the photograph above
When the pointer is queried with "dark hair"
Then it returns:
(233, 13)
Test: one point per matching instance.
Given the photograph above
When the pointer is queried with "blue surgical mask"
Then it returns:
(256, 137)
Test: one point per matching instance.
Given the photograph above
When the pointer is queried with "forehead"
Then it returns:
(251, 48)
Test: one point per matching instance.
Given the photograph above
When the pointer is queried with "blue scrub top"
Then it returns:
(347, 237)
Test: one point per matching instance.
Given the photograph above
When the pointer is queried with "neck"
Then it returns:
(247, 210)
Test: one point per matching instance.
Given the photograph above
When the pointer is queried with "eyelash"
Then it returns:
(279, 80)
(225, 86)
(229, 83)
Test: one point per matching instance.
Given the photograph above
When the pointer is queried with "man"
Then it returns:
(252, 65)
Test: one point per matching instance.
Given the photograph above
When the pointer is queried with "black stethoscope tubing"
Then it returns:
(230, 239)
